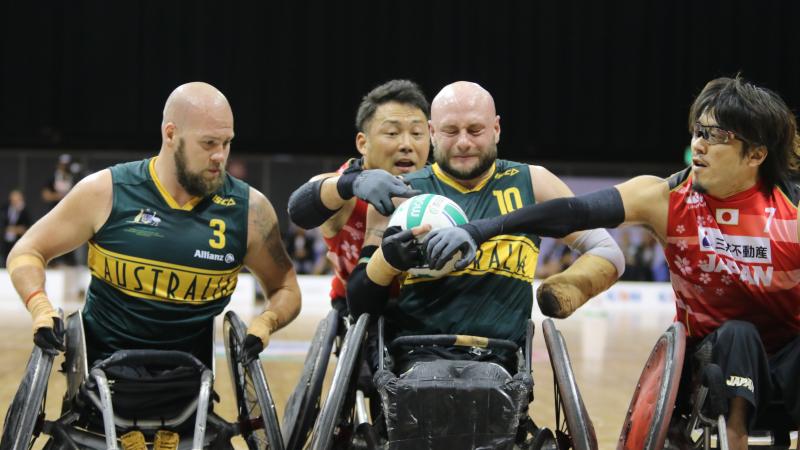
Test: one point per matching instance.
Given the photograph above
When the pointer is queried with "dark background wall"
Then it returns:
(574, 81)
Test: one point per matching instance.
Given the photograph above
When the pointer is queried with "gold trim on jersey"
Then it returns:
(157, 280)
(506, 255)
(188, 206)
(446, 179)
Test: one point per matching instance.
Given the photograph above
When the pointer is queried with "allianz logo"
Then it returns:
(205, 254)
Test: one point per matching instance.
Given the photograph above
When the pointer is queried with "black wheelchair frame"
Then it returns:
(343, 422)
(257, 420)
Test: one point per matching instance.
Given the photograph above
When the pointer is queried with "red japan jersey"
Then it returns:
(345, 247)
(736, 258)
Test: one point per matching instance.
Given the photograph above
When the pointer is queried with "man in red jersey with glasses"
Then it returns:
(728, 224)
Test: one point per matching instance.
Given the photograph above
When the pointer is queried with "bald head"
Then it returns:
(462, 96)
(194, 102)
(465, 130)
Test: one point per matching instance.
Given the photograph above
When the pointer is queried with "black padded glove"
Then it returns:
(251, 348)
(51, 339)
(401, 249)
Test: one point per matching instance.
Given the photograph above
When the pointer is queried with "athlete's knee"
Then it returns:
(738, 331)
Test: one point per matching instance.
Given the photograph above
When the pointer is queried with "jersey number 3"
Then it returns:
(218, 241)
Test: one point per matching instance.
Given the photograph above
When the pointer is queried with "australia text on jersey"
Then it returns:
(748, 257)
(155, 280)
(506, 255)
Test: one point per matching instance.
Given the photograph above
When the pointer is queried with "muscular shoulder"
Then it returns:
(260, 210)
(646, 202)
(263, 233)
(91, 199)
(95, 187)
(546, 185)
(323, 176)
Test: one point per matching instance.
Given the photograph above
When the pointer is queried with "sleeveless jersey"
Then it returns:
(735, 258)
(161, 272)
(493, 297)
(344, 248)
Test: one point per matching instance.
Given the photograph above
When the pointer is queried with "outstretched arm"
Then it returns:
(641, 200)
(268, 261)
(72, 222)
(317, 201)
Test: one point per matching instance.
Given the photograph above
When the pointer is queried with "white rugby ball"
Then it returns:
(435, 210)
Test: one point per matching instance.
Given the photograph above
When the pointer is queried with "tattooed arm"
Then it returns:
(268, 261)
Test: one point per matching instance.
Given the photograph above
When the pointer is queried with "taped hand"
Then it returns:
(257, 338)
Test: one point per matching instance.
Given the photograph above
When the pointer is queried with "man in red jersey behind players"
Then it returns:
(393, 139)
(729, 226)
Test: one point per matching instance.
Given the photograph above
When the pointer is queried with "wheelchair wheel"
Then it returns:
(650, 411)
(258, 420)
(575, 430)
(342, 394)
(25, 415)
(543, 440)
(304, 403)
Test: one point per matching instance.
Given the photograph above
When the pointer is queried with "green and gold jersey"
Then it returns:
(493, 297)
(161, 271)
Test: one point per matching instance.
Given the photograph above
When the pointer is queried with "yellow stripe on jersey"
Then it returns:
(506, 255)
(446, 179)
(156, 280)
(188, 206)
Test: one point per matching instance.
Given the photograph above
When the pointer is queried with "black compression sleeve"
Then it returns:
(306, 208)
(363, 294)
(555, 218)
(345, 185)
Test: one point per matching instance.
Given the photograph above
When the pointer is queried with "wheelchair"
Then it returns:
(654, 422)
(445, 403)
(131, 397)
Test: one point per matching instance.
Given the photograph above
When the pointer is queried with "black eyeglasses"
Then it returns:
(714, 134)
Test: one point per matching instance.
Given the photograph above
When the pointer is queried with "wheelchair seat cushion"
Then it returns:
(453, 404)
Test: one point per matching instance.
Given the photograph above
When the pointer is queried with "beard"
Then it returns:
(194, 183)
(485, 161)
(698, 187)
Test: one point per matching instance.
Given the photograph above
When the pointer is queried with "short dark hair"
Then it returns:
(401, 91)
(759, 117)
